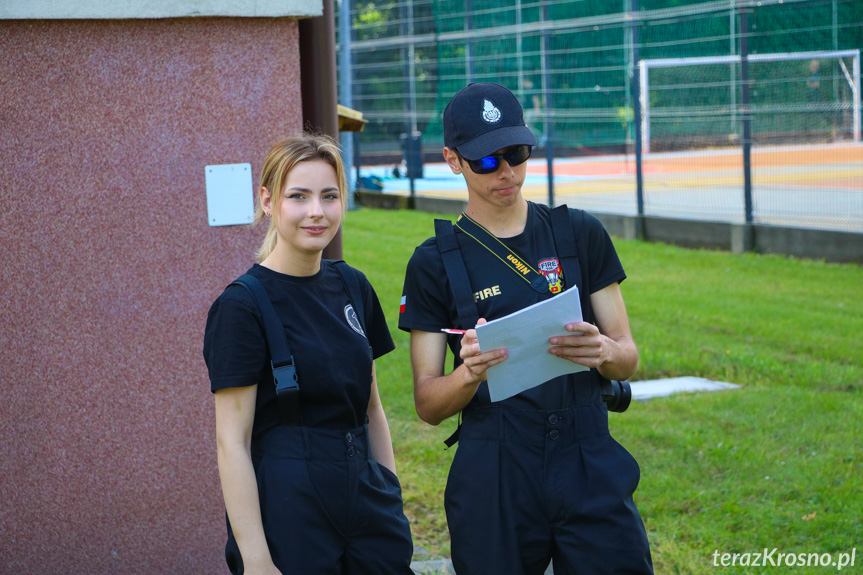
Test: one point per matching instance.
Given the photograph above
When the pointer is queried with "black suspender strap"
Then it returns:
(564, 236)
(349, 278)
(566, 247)
(569, 249)
(456, 273)
(282, 362)
(514, 262)
(352, 283)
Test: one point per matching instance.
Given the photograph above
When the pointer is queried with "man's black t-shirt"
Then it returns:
(331, 352)
(498, 291)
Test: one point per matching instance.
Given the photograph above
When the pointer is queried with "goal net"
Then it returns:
(795, 98)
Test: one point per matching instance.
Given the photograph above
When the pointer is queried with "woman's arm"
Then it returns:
(379, 429)
(235, 414)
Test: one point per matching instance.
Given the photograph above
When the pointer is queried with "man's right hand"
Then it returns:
(476, 361)
(438, 396)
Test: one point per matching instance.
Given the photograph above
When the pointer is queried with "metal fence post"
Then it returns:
(747, 113)
(636, 113)
(346, 84)
(546, 89)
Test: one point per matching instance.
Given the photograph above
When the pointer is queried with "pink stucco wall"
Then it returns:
(107, 451)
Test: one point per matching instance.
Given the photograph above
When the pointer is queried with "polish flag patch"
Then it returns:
(402, 304)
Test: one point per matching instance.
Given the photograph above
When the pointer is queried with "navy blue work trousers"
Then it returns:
(527, 487)
(327, 506)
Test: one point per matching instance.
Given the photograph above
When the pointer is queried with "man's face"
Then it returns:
(500, 188)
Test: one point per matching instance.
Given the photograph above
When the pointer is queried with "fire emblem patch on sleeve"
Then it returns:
(553, 273)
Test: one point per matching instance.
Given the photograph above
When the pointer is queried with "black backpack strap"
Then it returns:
(459, 282)
(352, 283)
(282, 362)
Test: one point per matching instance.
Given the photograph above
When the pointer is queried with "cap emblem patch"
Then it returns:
(490, 113)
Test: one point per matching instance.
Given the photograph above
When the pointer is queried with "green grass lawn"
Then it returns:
(774, 464)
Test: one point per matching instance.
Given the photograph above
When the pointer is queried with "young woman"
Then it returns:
(314, 492)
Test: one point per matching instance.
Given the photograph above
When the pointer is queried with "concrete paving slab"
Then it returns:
(648, 389)
(444, 567)
(433, 567)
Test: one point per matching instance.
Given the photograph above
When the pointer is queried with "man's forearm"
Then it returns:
(623, 359)
(438, 398)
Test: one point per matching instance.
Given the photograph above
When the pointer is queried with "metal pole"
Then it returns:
(412, 81)
(518, 52)
(468, 47)
(732, 49)
(406, 13)
(636, 109)
(747, 114)
(406, 67)
(320, 89)
(627, 64)
(546, 89)
(318, 72)
(412, 86)
(357, 160)
(346, 85)
(643, 105)
(835, 48)
(856, 96)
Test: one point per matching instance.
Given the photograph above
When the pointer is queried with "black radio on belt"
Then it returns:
(617, 395)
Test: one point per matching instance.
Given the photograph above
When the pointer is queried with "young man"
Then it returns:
(537, 476)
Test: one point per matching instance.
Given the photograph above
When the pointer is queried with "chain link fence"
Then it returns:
(680, 104)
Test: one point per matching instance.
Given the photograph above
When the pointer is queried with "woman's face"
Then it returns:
(310, 210)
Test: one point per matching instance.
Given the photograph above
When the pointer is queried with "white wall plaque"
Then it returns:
(230, 201)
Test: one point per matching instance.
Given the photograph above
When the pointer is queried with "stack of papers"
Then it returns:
(525, 335)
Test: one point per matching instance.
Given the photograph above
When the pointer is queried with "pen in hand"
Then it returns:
(454, 331)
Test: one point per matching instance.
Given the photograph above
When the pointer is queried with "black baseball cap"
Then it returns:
(482, 119)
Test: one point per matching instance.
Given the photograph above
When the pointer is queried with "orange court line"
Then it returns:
(653, 164)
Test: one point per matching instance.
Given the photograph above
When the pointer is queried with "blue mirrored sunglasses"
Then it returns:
(514, 156)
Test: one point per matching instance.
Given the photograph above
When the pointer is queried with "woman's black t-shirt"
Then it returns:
(330, 350)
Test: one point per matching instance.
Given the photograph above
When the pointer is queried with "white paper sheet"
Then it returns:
(525, 335)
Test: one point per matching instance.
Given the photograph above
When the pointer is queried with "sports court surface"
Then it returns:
(806, 186)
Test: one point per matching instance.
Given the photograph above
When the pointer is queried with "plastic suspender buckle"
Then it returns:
(286, 379)
(287, 389)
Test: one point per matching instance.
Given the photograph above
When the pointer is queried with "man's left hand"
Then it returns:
(584, 346)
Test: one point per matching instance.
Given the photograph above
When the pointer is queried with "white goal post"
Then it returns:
(852, 77)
